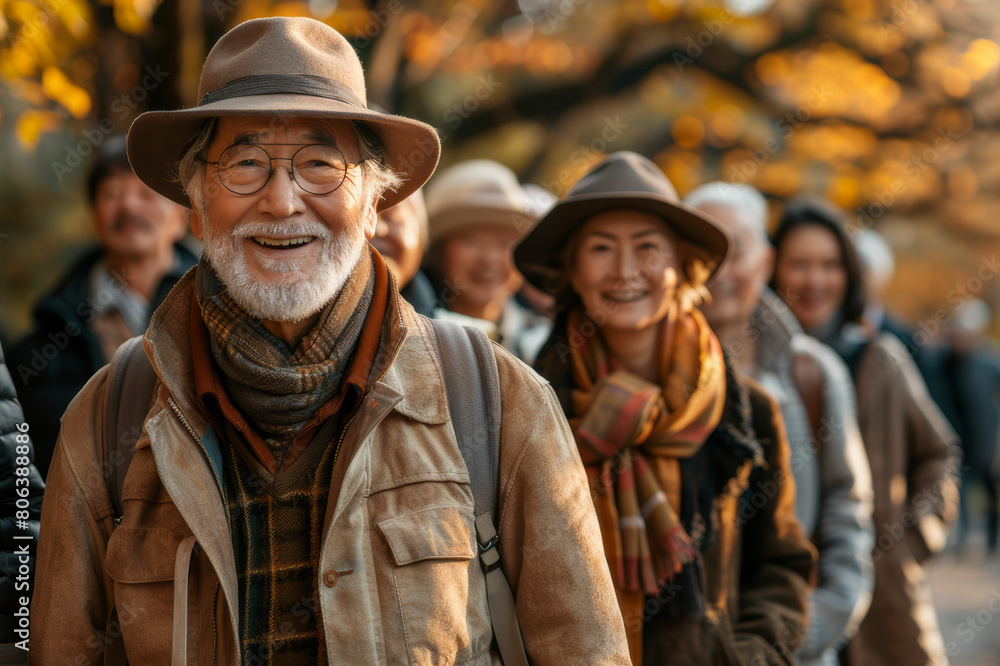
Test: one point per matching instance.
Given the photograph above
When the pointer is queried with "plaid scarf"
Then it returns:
(277, 388)
(633, 434)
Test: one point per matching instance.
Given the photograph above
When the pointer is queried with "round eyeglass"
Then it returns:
(318, 168)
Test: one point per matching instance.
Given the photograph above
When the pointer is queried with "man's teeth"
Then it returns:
(283, 242)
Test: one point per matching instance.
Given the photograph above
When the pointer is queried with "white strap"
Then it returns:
(181, 567)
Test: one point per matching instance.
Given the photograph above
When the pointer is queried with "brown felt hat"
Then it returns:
(623, 180)
(286, 68)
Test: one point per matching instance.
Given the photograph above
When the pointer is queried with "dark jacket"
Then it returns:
(16, 523)
(759, 566)
(419, 292)
(53, 362)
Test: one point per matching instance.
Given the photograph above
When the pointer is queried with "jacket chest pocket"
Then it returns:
(440, 588)
(141, 562)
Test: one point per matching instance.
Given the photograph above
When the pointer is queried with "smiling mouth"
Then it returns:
(625, 296)
(283, 243)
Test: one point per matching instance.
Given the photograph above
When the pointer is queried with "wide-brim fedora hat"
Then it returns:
(623, 180)
(475, 193)
(285, 68)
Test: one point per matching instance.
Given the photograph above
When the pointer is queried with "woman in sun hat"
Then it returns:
(687, 460)
(477, 211)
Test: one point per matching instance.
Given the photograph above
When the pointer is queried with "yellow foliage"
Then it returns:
(981, 58)
(32, 124)
(59, 88)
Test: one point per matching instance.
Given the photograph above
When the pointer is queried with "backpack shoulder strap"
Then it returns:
(472, 383)
(128, 392)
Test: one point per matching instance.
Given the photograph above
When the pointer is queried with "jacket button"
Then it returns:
(331, 577)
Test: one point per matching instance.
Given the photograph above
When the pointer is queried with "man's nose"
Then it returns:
(281, 196)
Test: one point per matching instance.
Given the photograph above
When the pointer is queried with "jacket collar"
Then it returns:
(777, 326)
(406, 361)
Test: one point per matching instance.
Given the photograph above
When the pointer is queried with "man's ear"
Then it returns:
(197, 224)
(370, 221)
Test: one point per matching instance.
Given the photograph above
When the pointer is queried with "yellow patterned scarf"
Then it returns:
(632, 435)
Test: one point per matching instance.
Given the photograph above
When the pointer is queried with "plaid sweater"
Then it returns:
(277, 525)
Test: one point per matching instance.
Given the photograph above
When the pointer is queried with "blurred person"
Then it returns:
(401, 238)
(687, 459)
(105, 298)
(540, 202)
(878, 265)
(21, 488)
(907, 439)
(478, 211)
(833, 498)
(298, 494)
(971, 368)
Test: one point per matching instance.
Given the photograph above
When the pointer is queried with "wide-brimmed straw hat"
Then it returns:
(622, 180)
(285, 68)
(476, 193)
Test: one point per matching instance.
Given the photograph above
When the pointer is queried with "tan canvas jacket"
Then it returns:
(399, 579)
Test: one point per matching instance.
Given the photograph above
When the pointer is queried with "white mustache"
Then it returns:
(287, 229)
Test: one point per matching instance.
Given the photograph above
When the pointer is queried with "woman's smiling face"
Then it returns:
(810, 275)
(627, 265)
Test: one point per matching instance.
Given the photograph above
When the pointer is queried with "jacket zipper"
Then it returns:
(215, 475)
(229, 525)
(343, 433)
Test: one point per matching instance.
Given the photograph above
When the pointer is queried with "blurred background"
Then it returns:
(888, 108)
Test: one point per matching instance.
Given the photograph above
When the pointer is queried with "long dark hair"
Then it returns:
(803, 211)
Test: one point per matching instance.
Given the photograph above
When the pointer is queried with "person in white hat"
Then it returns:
(300, 491)
(477, 211)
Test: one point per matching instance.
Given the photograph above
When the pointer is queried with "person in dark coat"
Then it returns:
(104, 299)
(21, 489)
(687, 458)
(971, 368)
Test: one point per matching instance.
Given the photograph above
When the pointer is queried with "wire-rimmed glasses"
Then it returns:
(318, 168)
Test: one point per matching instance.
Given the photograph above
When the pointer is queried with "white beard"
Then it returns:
(283, 301)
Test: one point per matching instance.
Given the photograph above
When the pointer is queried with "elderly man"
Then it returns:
(813, 387)
(401, 238)
(300, 430)
(103, 299)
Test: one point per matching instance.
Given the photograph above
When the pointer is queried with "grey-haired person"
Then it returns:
(300, 431)
(833, 498)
